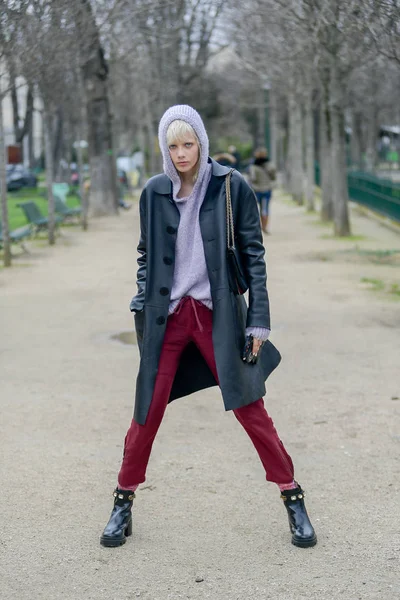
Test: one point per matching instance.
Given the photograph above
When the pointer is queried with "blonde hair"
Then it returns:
(177, 132)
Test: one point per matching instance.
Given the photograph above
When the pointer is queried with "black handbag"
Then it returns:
(237, 279)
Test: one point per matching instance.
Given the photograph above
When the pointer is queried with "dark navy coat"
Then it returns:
(240, 382)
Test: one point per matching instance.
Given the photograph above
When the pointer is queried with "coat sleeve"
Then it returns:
(250, 243)
(137, 302)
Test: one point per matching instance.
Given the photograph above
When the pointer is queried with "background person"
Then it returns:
(225, 159)
(262, 176)
(233, 151)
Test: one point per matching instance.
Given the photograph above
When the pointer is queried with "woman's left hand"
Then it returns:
(251, 350)
(256, 346)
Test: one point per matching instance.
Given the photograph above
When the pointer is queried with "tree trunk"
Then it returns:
(31, 147)
(83, 193)
(339, 170)
(310, 152)
(80, 135)
(280, 151)
(142, 146)
(317, 133)
(84, 196)
(372, 135)
(151, 141)
(355, 140)
(103, 186)
(49, 172)
(103, 194)
(274, 127)
(6, 243)
(57, 124)
(295, 149)
(42, 141)
(261, 108)
(21, 131)
(325, 160)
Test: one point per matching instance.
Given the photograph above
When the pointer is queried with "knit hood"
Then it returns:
(188, 114)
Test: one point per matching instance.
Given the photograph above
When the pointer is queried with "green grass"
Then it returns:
(395, 289)
(15, 214)
(378, 257)
(380, 254)
(22, 265)
(376, 284)
(391, 290)
(320, 223)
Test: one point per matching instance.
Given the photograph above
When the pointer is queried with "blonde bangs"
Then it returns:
(178, 131)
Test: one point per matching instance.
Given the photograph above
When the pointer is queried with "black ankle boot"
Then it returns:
(119, 527)
(303, 534)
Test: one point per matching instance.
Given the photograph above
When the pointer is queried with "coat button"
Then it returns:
(160, 320)
(171, 230)
(167, 260)
(164, 291)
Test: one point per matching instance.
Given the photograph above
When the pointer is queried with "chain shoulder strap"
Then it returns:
(230, 231)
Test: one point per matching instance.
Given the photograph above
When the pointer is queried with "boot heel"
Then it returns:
(128, 530)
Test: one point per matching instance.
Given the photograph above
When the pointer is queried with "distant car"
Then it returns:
(19, 176)
(14, 181)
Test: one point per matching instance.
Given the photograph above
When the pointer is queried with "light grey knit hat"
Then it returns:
(186, 113)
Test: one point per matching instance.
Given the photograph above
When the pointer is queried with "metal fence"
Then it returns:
(380, 195)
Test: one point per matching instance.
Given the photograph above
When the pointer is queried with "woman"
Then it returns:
(191, 328)
(262, 176)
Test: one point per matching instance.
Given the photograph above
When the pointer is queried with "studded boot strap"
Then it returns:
(123, 496)
(297, 494)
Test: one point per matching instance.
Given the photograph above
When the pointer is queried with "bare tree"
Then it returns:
(384, 27)
(95, 73)
(6, 242)
(322, 42)
(7, 27)
(159, 52)
(309, 135)
(42, 32)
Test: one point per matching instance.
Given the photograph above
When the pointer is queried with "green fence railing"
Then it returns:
(380, 195)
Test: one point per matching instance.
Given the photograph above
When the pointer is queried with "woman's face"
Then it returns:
(185, 154)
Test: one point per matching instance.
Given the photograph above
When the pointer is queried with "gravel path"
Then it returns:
(205, 511)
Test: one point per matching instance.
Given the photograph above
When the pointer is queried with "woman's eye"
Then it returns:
(189, 144)
(172, 147)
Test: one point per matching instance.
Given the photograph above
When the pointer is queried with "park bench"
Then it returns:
(65, 211)
(62, 191)
(34, 216)
(17, 236)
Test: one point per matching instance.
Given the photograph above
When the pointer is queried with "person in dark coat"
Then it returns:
(193, 331)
